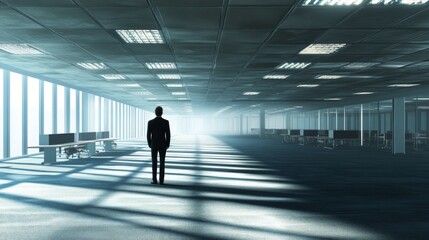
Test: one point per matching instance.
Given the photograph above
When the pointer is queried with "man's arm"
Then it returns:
(167, 134)
(148, 135)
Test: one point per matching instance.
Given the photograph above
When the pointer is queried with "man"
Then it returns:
(158, 139)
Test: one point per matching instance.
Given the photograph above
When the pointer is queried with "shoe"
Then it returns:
(153, 182)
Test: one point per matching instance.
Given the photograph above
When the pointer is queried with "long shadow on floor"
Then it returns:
(377, 190)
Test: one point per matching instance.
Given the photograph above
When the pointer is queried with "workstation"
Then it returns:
(71, 144)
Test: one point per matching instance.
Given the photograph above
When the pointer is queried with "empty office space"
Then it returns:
(278, 119)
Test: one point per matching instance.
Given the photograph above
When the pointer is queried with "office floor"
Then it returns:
(219, 188)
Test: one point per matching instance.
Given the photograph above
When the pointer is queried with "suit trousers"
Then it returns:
(162, 152)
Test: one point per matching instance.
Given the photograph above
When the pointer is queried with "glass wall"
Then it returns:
(61, 96)
(33, 113)
(48, 106)
(16, 114)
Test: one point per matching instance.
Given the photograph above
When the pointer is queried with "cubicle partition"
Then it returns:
(102, 135)
(55, 139)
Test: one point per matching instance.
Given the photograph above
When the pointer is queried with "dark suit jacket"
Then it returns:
(158, 133)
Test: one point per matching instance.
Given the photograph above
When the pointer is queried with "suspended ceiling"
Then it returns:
(221, 49)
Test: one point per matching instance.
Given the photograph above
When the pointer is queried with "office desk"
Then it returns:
(50, 151)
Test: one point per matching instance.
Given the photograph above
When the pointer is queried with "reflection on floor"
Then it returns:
(217, 188)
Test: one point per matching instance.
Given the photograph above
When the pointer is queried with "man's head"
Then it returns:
(158, 111)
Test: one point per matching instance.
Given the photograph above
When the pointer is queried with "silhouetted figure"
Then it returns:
(158, 139)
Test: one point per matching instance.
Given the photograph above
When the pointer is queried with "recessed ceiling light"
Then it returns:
(128, 85)
(165, 65)
(402, 2)
(92, 66)
(183, 99)
(322, 48)
(112, 76)
(141, 36)
(298, 106)
(172, 85)
(251, 93)
(293, 65)
(150, 99)
(359, 65)
(332, 99)
(20, 49)
(308, 85)
(168, 76)
(363, 93)
(328, 76)
(331, 2)
(178, 93)
(142, 93)
(275, 76)
(404, 85)
(421, 98)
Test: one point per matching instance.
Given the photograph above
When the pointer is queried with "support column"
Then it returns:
(6, 114)
(41, 107)
(67, 110)
(318, 120)
(85, 113)
(261, 122)
(398, 146)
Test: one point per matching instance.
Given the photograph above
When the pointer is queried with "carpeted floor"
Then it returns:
(219, 187)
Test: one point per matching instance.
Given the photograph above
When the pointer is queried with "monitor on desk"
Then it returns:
(86, 136)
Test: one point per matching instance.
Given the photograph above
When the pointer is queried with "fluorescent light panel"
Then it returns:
(112, 76)
(322, 48)
(165, 65)
(328, 76)
(293, 65)
(92, 66)
(168, 76)
(141, 36)
(128, 85)
(404, 85)
(20, 49)
(251, 93)
(359, 65)
(173, 85)
(142, 93)
(308, 85)
(398, 2)
(363, 93)
(178, 93)
(332, 99)
(273, 76)
(331, 2)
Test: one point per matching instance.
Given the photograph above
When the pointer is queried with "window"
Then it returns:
(33, 114)
(73, 110)
(48, 115)
(16, 117)
(1, 113)
(96, 114)
(61, 93)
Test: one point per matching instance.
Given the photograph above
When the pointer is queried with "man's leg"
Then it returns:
(162, 153)
(154, 153)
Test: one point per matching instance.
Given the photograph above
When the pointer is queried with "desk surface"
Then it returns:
(74, 143)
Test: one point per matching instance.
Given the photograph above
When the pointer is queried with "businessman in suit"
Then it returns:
(158, 139)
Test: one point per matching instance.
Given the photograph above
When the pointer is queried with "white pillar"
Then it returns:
(398, 146)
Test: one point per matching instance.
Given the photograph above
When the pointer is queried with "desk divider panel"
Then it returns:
(101, 135)
(310, 133)
(295, 132)
(346, 134)
(86, 136)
